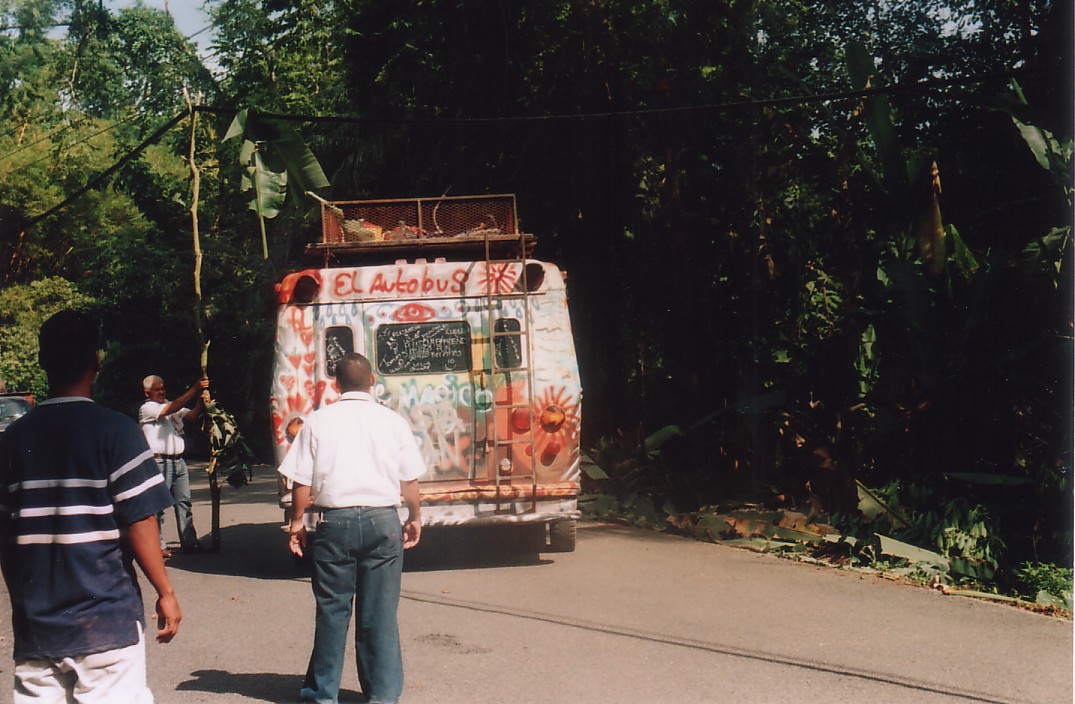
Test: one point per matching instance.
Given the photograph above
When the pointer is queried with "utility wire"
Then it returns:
(715, 107)
(62, 128)
(14, 27)
(206, 28)
(104, 175)
(169, 76)
(26, 120)
(67, 146)
(174, 74)
(930, 84)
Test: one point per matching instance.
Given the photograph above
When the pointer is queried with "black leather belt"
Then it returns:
(167, 457)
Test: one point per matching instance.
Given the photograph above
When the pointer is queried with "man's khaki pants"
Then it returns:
(110, 677)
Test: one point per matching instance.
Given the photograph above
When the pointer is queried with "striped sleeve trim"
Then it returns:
(59, 484)
(148, 454)
(67, 538)
(141, 488)
(64, 511)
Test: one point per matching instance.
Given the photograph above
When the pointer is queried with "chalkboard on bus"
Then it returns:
(423, 348)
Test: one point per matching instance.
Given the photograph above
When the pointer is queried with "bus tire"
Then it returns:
(563, 535)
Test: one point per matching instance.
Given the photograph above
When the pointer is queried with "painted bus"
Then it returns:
(470, 341)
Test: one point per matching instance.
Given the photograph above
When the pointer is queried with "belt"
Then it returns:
(158, 456)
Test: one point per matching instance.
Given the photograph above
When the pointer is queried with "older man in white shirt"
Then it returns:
(162, 423)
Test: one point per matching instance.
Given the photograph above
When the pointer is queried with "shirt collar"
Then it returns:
(356, 396)
(64, 399)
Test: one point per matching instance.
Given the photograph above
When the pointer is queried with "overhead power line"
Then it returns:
(62, 128)
(931, 84)
(104, 175)
(17, 27)
(76, 123)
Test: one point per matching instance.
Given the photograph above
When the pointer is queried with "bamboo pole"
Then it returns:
(199, 311)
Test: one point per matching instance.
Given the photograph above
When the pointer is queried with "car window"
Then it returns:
(13, 407)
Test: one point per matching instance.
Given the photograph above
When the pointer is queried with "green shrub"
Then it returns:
(1036, 577)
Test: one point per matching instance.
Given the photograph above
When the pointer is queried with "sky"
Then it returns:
(188, 14)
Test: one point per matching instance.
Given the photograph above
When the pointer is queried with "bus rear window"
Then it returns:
(508, 348)
(339, 342)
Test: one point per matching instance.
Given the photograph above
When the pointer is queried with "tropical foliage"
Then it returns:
(818, 251)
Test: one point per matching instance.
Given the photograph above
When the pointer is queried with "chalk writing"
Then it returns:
(339, 342)
(423, 348)
(508, 347)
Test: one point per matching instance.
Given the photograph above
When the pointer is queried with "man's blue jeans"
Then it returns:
(178, 482)
(357, 557)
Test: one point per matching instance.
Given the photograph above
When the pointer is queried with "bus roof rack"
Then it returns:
(446, 225)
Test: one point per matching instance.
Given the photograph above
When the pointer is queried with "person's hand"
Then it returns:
(168, 618)
(297, 540)
(198, 391)
(412, 532)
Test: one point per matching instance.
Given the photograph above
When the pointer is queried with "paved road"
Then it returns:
(630, 616)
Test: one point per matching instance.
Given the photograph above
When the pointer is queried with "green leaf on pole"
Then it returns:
(271, 189)
(272, 153)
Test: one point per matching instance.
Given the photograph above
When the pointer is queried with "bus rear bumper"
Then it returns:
(456, 513)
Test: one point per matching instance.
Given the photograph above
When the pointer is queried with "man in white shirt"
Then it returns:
(351, 462)
(162, 423)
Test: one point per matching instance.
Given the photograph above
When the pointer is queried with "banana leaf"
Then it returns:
(273, 153)
(912, 553)
(591, 468)
(270, 187)
(871, 505)
(229, 454)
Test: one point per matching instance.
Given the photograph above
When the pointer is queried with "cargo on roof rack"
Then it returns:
(452, 226)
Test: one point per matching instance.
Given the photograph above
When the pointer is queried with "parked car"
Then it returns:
(12, 407)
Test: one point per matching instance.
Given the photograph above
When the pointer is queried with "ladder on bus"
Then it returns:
(508, 362)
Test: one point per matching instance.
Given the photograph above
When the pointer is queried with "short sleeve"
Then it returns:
(298, 463)
(135, 484)
(149, 412)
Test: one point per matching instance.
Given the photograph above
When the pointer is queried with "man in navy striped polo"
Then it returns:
(79, 496)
